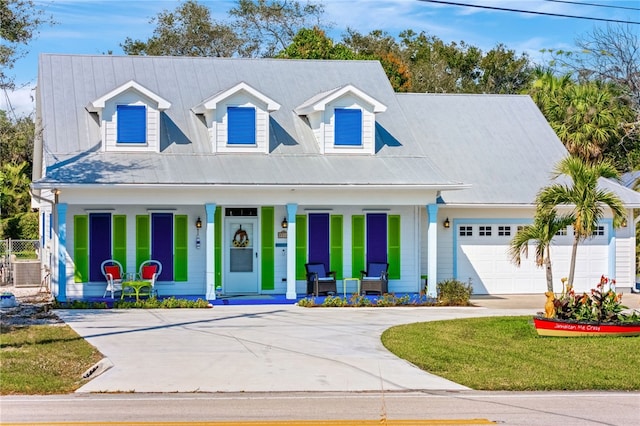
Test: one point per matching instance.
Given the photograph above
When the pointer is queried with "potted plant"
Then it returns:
(597, 313)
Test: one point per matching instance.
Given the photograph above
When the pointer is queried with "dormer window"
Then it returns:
(348, 127)
(238, 119)
(132, 124)
(343, 120)
(242, 125)
(130, 117)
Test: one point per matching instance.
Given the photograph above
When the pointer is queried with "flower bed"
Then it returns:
(598, 313)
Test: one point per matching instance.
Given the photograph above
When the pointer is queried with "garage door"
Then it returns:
(482, 257)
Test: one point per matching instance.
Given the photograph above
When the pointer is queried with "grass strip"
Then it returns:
(43, 359)
(506, 353)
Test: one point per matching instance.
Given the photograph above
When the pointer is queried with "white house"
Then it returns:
(132, 152)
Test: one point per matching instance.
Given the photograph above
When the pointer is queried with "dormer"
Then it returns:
(129, 118)
(238, 119)
(343, 120)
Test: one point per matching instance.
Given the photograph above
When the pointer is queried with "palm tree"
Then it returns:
(583, 196)
(546, 224)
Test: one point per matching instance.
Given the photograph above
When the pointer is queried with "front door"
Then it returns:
(241, 256)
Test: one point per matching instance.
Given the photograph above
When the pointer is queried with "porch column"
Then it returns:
(62, 251)
(210, 251)
(291, 251)
(432, 250)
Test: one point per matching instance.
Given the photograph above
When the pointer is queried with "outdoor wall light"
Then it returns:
(446, 223)
(284, 223)
(198, 226)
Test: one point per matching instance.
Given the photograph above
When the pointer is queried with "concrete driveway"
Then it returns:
(264, 348)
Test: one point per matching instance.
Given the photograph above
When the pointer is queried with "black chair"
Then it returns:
(319, 280)
(375, 278)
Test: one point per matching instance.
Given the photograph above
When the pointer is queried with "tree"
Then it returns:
(610, 54)
(19, 23)
(583, 197)
(437, 67)
(268, 27)
(15, 189)
(589, 118)
(16, 140)
(546, 224)
(314, 44)
(187, 31)
(379, 45)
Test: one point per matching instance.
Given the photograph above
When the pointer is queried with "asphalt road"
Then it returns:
(428, 407)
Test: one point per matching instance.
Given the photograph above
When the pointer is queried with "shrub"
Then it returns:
(335, 301)
(454, 293)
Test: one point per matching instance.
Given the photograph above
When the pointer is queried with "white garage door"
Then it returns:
(483, 258)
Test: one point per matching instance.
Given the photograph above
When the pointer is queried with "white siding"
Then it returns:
(241, 99)
(110, 123)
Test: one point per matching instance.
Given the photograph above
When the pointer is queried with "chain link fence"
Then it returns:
(19, 262)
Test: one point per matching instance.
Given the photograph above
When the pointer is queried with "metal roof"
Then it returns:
(500, 146)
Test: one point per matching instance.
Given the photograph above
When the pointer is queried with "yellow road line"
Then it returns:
(380, 422)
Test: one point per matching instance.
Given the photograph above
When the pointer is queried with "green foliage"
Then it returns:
(19, 23)
(155, 303)
(464, 351)
(546, 224)
(314, 44)
(583, 197)
(334, 301)
(602, 304)
(79, 304)
(454, 293)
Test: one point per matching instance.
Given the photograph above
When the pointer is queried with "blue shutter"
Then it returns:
(348, 128)
(132, 124)
(242, 125)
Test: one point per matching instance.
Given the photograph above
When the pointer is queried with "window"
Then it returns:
(348, 127)
(242, 125)
(561, 232)
(598, 231)
(504, 231)
(132, 124)
(466, 231)
(484, 231)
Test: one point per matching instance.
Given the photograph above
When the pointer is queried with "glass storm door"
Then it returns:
(241, 260)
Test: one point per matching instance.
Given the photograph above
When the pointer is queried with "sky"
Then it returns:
(101, 26)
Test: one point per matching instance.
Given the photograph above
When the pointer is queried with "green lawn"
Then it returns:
(43, 359)
(505, 353)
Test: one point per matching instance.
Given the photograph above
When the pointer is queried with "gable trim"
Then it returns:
(99, 104)
(319, 102)
(212, 102)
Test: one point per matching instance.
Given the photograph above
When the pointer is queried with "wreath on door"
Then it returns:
(241, 238)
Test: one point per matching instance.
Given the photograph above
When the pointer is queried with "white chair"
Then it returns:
(149, 271)
(113, 273)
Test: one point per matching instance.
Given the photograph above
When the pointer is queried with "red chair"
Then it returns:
(113, 273)
(149, 271)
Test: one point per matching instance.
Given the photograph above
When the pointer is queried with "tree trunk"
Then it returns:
(549, 272)
(572, 266)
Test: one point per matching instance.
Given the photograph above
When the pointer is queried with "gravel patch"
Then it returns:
(34, 308)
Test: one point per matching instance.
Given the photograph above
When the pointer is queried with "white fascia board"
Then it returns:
(212, 102)
(98, 104)
(447, 187)
(486, 206)
(320, 104)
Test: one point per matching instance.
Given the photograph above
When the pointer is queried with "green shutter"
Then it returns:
(81, 248)
(357, 245)
(268, 247)
(217, 256)
(301, 247)
(393, 246)
(119, 248)
(180, 248)
(143, 239)
(335, 246)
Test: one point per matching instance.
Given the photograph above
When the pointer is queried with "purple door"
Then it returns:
(99, 243)
(162, 243)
